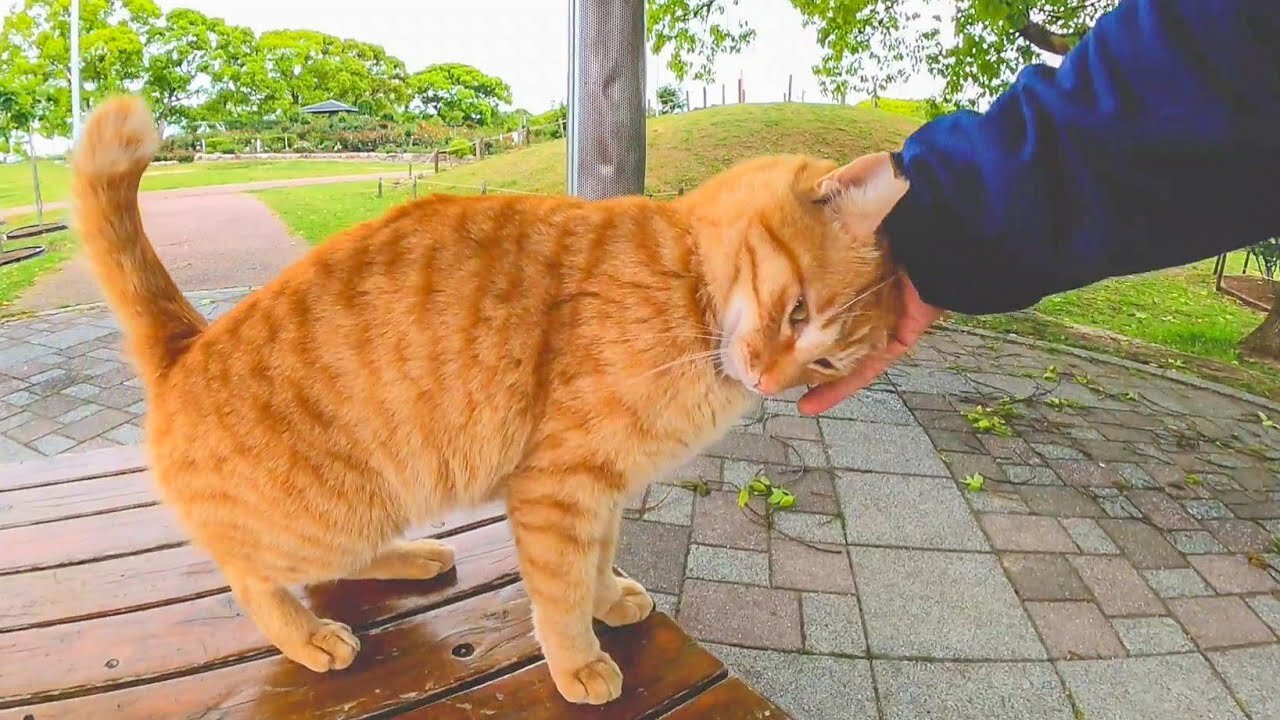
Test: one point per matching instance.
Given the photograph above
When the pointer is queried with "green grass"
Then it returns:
(682, 151)
(916, 109)
(16, 187)
(18, 277)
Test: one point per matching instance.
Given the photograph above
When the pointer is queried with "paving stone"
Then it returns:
(665, 603)
(925, 401)
(1083, 432)
(1206, 509)
(1124, 433)
(1118, 506)
(874, 447)
(1075, 630)
(1143, 544)
(919, 603)
(1253, 510)
(96, 424)
(950, 441)
(1134, 476)
(806, 687)
(653, 554)
(1018, 533)
(1044, 577)
(52, 444)
(1232, 574)
(32, 429)
(12, 451)
(832, 625)
(906, 512)
(1240, 536)
(1148, 688)
(1056, 452)
(791, 427)
(991, 500)
(79, 412)
(1152, 636)
(1060, 502)
(119, 397)
(1011, 449)
(54, 405)
(1251, 674)
(878, 407)
(747, 446)
(741, 615)
(816, 567)
(1088, 535)
(1267, 607)
(927, 380)
(970, 691)
(664, 504)
(1195, 542)
(727, 565)
(1086, 473)
(97, 443)
(73, 335)
(810, 527)
(1177, 583)
(719, 521)
(1030, 475)
(944, 420)
(1162, 511)
(1219, 622)
(1117, 586)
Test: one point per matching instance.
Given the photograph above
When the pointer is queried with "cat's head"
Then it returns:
(801, 283)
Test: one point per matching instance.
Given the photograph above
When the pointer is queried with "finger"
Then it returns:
(825, 396)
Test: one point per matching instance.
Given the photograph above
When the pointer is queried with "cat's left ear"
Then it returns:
(863, 192)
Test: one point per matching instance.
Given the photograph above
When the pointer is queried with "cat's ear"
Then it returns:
(863, 192)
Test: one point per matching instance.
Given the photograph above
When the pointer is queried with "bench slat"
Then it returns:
(75, 499)
(660, 667)
(729, 699)
(68, 468)
(184, 638)
(96, 537)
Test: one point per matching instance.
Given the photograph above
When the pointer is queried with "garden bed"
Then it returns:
(1256, 292)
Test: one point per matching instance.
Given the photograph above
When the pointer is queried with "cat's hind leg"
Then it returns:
(319, 644)
(408, 560)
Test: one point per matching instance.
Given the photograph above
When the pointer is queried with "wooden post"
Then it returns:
(435, 159)
(484, 187)
(687, 104)
(415, 188)
(410, 168)
(722, 95)
(379, 187)
(789, 78)
(741, 93)
(704, 97)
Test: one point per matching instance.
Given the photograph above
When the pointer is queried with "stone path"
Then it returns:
(206, 240)
(1118, 562)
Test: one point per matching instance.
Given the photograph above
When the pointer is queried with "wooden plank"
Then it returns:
(96, 537)
(76, 466)
(411, 660)
(75, 499)
(107, 652)
(132, 582)
(729, 699)
(661, 666)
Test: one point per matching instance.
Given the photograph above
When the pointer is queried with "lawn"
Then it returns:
(682, 151)
(19, 276)
(16, 188)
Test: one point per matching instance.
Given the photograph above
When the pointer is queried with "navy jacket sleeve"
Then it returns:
(1155, 143)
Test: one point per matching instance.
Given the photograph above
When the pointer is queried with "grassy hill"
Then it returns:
(682, 151)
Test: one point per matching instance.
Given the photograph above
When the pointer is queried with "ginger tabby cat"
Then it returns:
(553, 353)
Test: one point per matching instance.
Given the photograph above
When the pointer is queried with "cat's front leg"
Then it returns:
(561, 518)
(619, 600)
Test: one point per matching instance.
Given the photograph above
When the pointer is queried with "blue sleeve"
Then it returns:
(1154, 144)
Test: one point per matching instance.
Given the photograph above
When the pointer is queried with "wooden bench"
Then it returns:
(107, 612)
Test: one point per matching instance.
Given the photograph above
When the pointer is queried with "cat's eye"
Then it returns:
(799, 312)
(825, 364)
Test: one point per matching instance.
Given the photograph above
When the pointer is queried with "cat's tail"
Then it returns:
(114, 149)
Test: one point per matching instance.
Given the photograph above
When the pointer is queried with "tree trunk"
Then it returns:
(1046, 39)
(35, 177)
(1264, 341)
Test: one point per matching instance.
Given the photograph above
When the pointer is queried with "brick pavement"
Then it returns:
(1119, 560)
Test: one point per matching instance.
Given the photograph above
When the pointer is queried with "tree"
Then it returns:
(187, 58)
(671, 100)
(303, 67)
(1264, 341)
(459, 94)
(35, 52)
(869, 44)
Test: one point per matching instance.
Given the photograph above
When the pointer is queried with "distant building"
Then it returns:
(329, 108)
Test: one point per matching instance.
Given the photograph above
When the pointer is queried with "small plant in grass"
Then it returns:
(1267, 422)
(1051, 373)
(1275, 544)
(985, 419)
(1128, 396)
(975, 482)
(695, 486)
(776, 497)
(1174, 364)
(1193, 480)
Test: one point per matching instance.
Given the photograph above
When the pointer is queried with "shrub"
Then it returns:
(460, 147)
(302, 146)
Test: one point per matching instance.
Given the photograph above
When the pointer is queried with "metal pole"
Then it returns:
(606, 98)
(75, 69)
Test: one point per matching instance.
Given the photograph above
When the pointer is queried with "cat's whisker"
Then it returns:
(864, 294)
(695, 357)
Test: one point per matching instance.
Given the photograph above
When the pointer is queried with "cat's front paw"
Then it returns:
(632, 606)
(592, 683)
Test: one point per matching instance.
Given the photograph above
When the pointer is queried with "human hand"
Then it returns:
(917, 316)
